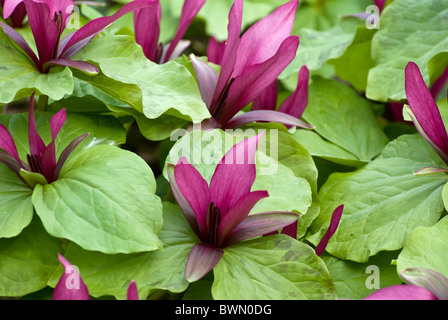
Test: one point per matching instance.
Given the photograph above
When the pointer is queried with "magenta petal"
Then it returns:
(194, 189)
(21, 42)
(56, 122)
(235, 174)
(291, 230)
(7, 143)
(402, 292)
(430, 279)
(87, 67)
(189, 10)
(259, 224)
(262, 40)
(334, 223)
(379, 4)
(37, 146)
(70, 286)
(147, 30)
(132, 293)
(49, 162)
(239, 212)
(9, 6)
(266, 116)
(425, 109)
(94, 27)
(207, 79)
(202, 259)
(296, 103)
(215, 50)
(267, 100)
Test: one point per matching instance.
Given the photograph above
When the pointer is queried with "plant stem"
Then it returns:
(42, 103)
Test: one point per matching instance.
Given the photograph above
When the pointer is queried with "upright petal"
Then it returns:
(296, 103)
(7, 143)
(425, 109)
(132, 293)
(334, 223)
(202, 259)
(207, 79)
(402, 292)
(195, 190)
(70, 286)
(234, 174)
(215, 50)
(37, 146)
(147, 29)
(9, 6)
(380, 4)
(267, 100)
(189, 10)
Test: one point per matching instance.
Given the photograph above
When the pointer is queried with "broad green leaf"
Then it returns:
(426, 247)
(19, 78)
(27, 261)
(104, 200)
(358, 280)
(169, 88)
(383, 201)
(410, 30)
(343, 118)
(106, 274)
(275, 267)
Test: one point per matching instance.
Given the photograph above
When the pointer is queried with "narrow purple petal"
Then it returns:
(207, 79)
(132, 293)
(235, 174)
(432, 280)
(49, 162)
(56, 122)
(215, 50)
(10, 162)
(267, 100)
(94, 27)
(189, 10)
(296, 103)
(37, 146)
(379, 4)
(70, 286)
(147, 30)
(239, 212)
(259, 224)
(194, 189)
(266, 116)
(402, 292)
(291, 230)
(7, 143)
(66, 153)
(21, 42)
(263, 39)
(429, 170)
(246, 87)
(425, 109)
(202, 259)
(334, 223)
(87, 67)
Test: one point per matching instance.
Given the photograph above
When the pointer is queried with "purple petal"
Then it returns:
(49, 162)
(425, 109)
(9, 6)
(94, 27)
(215, 50)
(194, 189)
(235, 174)
(189, 10)
(21, 42)
(66, 153)
(37, 146)
(181, 46)
(18, 15)
(246, 87)
(291, 230)
(267, 100)
(263, 39)
(70, 285)
(334, 223)
(429, 170)
(260, 224)
(296, 103)
(132, 293)
(266, 116)
(207, 79)
(7, 143)
(10, 162)
(147, 30)
(56, 122)
(87, 67)
(402, 292)
(432, 280)
(202, 259)
(239, 212)
(379, 4)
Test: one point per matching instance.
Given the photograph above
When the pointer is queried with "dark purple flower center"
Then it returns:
(58, 18)
(222, 100)
(213, 219)
(35, 163)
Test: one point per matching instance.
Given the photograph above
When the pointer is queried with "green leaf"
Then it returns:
(426, 247)
(27, 261)
(104, 200)
(343, 119)
(410, 30)
(19, 78)
(383, 201)
(275, 267)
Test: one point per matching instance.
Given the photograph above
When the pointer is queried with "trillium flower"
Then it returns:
(425, 115)
(423, 284)
(219, 213)
(41, 166)
(48, 20)
(147, 31)
(17, 16)
(249, 65)
(71, 286)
